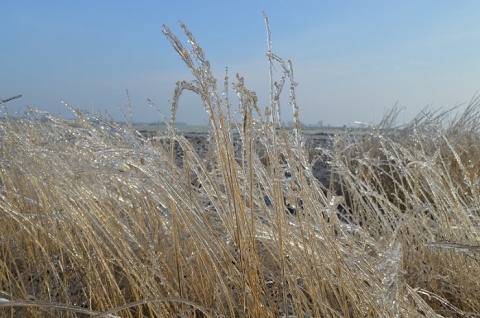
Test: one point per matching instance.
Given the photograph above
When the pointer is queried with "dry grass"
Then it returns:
(96, 221)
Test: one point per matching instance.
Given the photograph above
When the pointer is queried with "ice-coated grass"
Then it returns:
(96, 220)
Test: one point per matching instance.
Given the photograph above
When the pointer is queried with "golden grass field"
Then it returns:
(98, 221)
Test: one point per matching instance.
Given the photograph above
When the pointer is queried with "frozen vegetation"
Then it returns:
(98, 221)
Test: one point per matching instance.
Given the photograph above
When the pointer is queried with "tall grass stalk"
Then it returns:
(97, 220)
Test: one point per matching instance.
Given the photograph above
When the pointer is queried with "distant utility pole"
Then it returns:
(9, 99)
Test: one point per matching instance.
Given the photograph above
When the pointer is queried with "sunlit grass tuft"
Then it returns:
(97, 220)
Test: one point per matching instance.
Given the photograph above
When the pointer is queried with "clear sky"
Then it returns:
(353, 60)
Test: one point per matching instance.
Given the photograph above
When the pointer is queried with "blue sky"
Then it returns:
(353, 60)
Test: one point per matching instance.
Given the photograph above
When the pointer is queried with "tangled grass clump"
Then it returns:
(98, 221)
